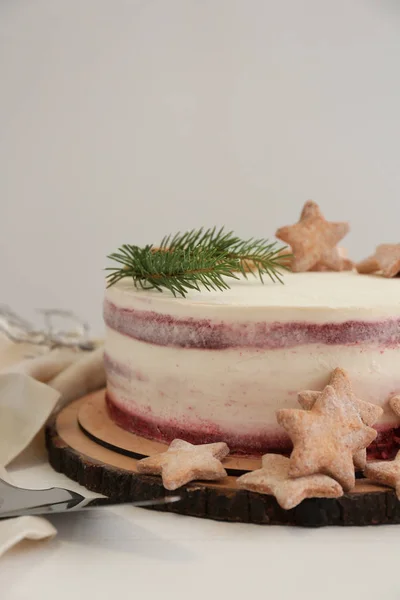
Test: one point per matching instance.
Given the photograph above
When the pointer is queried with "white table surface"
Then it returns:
(136, 553)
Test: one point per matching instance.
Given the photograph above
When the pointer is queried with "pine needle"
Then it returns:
(197, 258)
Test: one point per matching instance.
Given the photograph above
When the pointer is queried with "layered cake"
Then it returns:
(215, 366)
(219, 346)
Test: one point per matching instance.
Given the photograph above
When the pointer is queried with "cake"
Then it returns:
(219, 349)
(216, 366)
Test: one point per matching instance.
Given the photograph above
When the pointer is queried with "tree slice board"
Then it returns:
(94, 420)
(113, 474)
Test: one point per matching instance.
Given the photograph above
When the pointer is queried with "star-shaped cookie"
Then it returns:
(325, 438)
(394, 403)
(273, 478)
(386, 472)
(347, 264)
(369, 413)
(313, 241)
(184, 462)
(385, 261)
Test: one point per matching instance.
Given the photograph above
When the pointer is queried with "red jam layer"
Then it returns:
(166, 330)
(384, 447)
(167, 431)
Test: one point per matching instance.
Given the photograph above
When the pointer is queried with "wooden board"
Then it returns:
(94, 420)
(114, 474)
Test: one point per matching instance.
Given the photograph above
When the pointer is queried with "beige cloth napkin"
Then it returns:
(33, 382)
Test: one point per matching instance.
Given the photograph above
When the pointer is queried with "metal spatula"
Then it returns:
(16, 501)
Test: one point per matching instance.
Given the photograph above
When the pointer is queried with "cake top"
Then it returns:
(345, 289)
(209, 267)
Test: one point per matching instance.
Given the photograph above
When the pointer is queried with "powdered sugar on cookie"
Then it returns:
(326, 437)
(313, 240)
(368, 412)
(184, 462)
(273, 478)
(385, 261)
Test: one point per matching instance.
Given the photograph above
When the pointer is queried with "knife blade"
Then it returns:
(16, 501)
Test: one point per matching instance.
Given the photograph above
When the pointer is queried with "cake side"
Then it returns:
(217, 366)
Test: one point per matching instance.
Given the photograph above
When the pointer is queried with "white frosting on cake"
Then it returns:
(174, 380)
(318, 290)
(319, 295)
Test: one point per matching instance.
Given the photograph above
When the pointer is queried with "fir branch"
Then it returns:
(196, 238)
(260, 258)
(197, 257)
(177, 271)
(255, 255)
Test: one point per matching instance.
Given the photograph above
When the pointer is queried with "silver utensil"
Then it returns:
(62, 328)
(16, 501)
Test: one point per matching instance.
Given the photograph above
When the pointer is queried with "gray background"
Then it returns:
(121, 121)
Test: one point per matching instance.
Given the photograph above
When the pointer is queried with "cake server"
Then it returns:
(17, 502)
